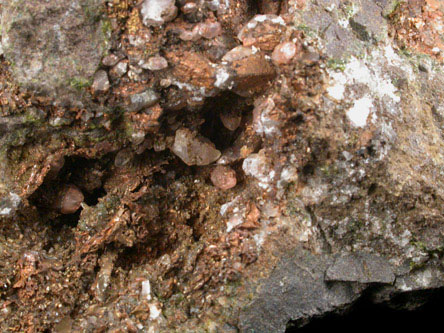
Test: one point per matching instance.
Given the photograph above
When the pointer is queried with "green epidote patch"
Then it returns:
(80, 83)
(336, 64)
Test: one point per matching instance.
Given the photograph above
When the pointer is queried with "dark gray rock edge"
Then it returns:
(304, 286)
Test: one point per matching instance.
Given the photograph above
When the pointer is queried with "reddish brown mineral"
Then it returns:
(252, 74)
(223, 177)
(284, 53)
(263, 32)
(70, 199)
(231, 120)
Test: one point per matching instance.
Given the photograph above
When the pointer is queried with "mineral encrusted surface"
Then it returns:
(217, 166)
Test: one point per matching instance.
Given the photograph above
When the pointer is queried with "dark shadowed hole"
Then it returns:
(213, 128)
(308, 169)
(298, 118)
(370, 150)
(370, 317)
(372, 189)
(69, 220)
(77, 171)
(253, 6)
(91, 199)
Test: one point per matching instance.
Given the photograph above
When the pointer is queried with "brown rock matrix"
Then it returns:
(217, 165)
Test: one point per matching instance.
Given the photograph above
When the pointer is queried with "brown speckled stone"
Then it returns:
(70, 199)
(223, 177)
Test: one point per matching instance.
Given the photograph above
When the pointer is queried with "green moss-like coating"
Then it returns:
(336, 64)
(80, 83)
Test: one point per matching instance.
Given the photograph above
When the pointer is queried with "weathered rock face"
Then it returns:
(232, 168)
(294, 291)
(54, 47)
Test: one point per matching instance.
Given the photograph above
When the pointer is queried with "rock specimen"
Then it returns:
(231, 120)
(263, 32)
(217, 166)
(252, 74)
(156, 63)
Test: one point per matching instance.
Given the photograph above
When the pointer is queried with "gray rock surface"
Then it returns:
(142, 100)
(368, 22)
(360, 267)
(296, 291)
(101, 82)
(54, 47)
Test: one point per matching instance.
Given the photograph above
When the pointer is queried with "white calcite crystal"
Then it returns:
(146, 290)
(360, 111)
(9, 204)
(257, 166)
(157, 12)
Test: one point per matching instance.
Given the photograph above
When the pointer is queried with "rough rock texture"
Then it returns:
(296, 290)
(217, 166)
(363, 268)
(53, 46)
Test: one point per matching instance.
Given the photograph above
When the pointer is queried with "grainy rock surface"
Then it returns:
(217, 166)
(54, 46)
